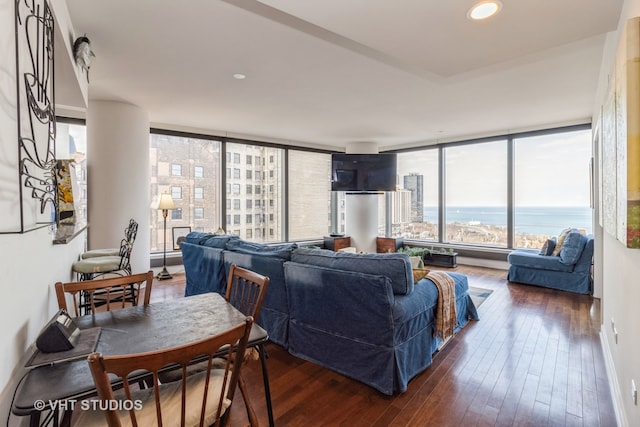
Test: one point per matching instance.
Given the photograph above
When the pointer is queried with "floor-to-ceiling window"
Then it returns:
(309, 194)
(551, 185)
(255, 188)
(189, 169)
(476, 193)
(415, 202)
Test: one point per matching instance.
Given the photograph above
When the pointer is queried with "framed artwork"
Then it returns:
(620, 141)
(179, 234)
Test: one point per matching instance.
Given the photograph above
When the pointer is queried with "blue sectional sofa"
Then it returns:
(567, 268)
(358, 314)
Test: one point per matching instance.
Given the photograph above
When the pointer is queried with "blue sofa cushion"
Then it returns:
(560, 242)
(532, 259)
(204, 269)
(395, 266)
(572, 248)
(548, 247)
(282, 251)
(219, 242)
(197, 237)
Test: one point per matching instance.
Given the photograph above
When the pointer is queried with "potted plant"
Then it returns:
(416, 255)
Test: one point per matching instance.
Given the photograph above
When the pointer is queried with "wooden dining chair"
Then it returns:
(245, 291)
(111, 293)
(201, 399)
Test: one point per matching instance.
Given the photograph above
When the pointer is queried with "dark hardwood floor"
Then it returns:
(534, 358)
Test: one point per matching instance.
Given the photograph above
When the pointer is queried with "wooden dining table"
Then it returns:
(137, 329)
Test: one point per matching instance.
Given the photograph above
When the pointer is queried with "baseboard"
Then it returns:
(480, 262)
(614, 386)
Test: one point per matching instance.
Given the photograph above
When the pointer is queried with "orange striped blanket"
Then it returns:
(446, 309)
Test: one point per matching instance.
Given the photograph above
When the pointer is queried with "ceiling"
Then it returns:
(332, 72)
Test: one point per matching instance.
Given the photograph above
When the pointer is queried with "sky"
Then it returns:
(550, 170)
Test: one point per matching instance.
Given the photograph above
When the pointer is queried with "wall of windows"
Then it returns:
(513, 191)
(537, 181)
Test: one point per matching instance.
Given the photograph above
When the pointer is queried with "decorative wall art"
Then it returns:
(34, 25)
(620, 142)
(179, 234)
(67, 191)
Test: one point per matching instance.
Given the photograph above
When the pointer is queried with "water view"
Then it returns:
(487, 225)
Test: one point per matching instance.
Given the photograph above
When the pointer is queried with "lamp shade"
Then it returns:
(166, 202)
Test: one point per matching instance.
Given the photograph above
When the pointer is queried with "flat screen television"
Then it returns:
(363, 172)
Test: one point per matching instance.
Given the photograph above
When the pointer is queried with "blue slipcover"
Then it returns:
(274, 315)
(395, 266)
(354, 324)
(360, 315)
(569, 271)
(204, 269)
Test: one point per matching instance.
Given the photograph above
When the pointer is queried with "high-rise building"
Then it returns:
(414, 183)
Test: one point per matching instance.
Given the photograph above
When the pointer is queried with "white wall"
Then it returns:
(30, 266)
(30, 263)
(619, 272)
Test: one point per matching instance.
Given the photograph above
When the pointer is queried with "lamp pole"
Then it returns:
(164, 274)
(165, 203)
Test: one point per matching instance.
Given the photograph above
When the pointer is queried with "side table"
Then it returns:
(388, 244)
(336, 243)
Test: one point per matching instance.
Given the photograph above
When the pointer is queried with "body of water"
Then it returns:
(531, 220)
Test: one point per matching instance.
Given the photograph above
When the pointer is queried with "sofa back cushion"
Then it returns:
(208, 239)
(548, 247)
(197, 237)
(395, 266)
(219, 242)
(572, 248)
(282, 251)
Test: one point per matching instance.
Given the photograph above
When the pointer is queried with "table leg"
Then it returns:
(267, 388)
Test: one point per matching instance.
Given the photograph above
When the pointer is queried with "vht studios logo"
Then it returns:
(89, 405)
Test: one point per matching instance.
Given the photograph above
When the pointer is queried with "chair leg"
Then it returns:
(251, 413)
(265, 378)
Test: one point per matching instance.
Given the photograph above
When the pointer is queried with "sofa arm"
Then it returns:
(204, 269)
(347, 304)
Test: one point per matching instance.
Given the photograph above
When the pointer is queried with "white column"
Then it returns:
(361, 211)
(118, 177)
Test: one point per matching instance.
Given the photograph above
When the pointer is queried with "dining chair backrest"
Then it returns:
(246, 290)
(200, 399)
(114, 292)
(126, 245)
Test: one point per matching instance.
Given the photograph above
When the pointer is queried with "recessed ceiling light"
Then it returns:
(239, 76)
(484, 9)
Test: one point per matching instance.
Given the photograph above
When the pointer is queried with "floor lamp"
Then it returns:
(165, 203)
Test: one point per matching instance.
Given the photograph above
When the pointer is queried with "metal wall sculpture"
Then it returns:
(36, 113)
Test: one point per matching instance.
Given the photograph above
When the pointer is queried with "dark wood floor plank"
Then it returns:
(534, 359)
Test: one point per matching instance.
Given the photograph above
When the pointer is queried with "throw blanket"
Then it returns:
(446, 309)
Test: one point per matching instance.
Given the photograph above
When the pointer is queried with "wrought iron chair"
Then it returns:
(114, 292)
(129, 235)
(204, 398)
(102, 261)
